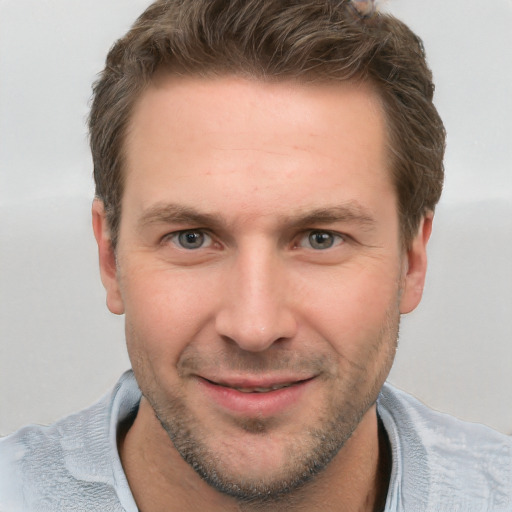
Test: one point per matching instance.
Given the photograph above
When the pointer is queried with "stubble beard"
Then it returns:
(306, 458)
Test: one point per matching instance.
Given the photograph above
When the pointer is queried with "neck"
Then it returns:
(356, 480)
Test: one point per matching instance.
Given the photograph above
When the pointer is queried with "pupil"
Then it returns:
(320, 240)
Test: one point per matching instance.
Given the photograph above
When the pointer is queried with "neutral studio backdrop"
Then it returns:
(60, 349)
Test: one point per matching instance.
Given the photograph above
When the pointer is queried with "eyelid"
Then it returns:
(340, 237)
(173, 237)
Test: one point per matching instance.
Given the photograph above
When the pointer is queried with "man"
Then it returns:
(266, 176)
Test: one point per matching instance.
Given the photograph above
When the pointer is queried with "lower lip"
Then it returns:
(254, 404)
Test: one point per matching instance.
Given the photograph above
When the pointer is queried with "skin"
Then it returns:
(297, 275)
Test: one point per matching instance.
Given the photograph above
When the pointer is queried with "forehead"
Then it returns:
(265, 147)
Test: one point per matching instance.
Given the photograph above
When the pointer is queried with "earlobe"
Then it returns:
(107, 258)
(416, 267)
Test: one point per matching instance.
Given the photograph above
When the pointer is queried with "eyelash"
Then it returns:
(336, 239)
(175, 238)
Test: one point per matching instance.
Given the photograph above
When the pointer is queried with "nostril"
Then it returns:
(255, 317)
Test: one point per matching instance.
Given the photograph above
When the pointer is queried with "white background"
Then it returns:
(60, 349)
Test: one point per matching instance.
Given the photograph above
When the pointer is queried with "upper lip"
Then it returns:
(257, 381)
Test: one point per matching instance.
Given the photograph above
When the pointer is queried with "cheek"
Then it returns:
(353, 309)
(164, 312)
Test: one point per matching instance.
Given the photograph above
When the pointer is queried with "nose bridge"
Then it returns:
(255, 311)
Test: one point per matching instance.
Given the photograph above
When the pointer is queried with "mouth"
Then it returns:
(256, 397)
(259, 389)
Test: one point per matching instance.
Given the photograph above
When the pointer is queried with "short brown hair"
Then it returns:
(305, 40)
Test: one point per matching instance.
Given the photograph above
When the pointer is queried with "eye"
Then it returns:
(191, 239)
(321, 240)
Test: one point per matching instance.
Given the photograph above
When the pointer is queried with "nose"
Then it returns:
(256, 305)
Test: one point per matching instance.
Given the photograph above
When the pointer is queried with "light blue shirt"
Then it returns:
(440, 464)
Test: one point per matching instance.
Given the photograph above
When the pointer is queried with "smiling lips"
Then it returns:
(258, 389)
(255, 398)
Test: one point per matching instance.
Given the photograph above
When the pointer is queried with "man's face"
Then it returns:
(260, 270)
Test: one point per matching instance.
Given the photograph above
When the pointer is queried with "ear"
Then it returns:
(107, 257)
(415, 266)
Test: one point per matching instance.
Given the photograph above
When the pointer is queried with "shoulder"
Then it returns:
(442, 463)
(65, 465)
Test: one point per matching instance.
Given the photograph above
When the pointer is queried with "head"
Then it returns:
(310, 41)
(266, 172)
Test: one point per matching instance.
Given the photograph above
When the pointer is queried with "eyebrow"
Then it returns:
(351, 212)
(176, 213)
(169, 213)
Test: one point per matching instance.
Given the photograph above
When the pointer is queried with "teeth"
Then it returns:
(262, 390)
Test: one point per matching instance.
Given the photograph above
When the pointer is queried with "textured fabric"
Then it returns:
(440, 464)
(72, 465)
